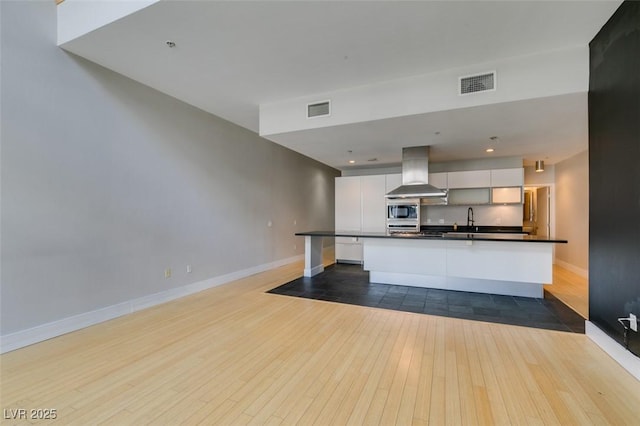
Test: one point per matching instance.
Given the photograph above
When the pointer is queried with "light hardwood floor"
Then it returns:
(571, 288)
(236, 355)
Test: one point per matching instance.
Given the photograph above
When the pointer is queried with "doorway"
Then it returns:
(536, 211)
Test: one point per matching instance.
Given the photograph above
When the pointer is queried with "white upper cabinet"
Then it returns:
(439, 180)
(360, 203)
(506, 195)
(469, 179)
(393, 181)
(372, 191)
(469, 196)
(507, 177)
(348, 215)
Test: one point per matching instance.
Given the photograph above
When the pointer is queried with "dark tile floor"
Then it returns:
(350, 284)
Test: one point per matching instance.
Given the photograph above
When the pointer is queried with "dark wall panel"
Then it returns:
(614, 173)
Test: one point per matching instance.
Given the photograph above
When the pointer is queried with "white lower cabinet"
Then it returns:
(349, 252)
(349, 249)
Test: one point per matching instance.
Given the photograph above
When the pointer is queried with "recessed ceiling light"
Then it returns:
(352, 161)
(489, 150)
(170, 43)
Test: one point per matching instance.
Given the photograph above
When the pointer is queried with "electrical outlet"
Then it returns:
(189, 269)
(441, 221)
(633, 322)
(167, 273)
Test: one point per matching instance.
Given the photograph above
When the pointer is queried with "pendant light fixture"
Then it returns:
(539, 166)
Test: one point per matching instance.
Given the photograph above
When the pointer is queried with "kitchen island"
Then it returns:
(509, 264)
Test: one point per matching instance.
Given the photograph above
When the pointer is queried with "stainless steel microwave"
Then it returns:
(403, 215)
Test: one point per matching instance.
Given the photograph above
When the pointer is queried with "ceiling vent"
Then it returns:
(319, 109)
(477, 83)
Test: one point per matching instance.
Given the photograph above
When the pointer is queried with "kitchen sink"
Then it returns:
(419, 234)
(488, 234)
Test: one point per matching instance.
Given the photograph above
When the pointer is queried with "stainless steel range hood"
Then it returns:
(415, 178)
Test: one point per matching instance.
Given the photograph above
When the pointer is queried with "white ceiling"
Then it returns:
(232, 56)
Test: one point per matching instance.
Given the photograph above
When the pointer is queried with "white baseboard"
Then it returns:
(576, 270)
(311, 272)
(615, 350)
(62, 326)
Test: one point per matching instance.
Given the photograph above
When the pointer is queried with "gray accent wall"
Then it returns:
(614, 175)
(106, 183)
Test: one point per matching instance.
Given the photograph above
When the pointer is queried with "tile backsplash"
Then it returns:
(493, 215)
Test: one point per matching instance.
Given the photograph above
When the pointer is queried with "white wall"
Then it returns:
(572, 212)
(106, 182)
(533, 178)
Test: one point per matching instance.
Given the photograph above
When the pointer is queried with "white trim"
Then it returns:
(42, 332)
(576, 270)
(626, 359)
(311, 272)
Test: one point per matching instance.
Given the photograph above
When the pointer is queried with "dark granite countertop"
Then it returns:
(439, 235)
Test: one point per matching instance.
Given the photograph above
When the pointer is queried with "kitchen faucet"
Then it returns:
(470, 220)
